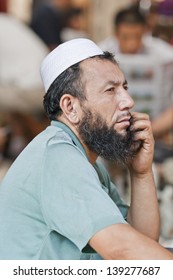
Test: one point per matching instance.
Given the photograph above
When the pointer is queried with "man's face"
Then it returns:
(130, 37)
(105, 117)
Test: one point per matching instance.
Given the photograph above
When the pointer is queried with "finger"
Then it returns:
(139, 116)
(144, 136)
(141, 125)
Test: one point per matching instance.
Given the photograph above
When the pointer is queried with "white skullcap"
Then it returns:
(64, 56)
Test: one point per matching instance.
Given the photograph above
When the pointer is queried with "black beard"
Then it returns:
(105, 141)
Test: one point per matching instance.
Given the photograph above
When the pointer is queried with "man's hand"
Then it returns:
(143, 136)
(143, 213)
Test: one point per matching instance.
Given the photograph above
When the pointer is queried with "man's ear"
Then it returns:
(69, 106)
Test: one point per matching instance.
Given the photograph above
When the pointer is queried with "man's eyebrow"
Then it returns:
(115, 83)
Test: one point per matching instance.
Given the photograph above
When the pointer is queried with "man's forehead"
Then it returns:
(103, 69)
(96, 62)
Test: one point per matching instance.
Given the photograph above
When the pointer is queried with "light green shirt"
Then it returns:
(52, 200)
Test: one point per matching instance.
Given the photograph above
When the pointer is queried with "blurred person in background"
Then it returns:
(36, 4)
(164, 27)
(163, 133)
(129, 28)
(16, 130)
(162, 127)
(163, 123)
(48, 20)
(22, 128)
(131, 35)
(75, 25)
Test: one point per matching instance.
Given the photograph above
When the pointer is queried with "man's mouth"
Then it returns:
(124, 122)
(125, 118)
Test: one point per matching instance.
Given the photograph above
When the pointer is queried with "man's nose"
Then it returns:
(126, 101)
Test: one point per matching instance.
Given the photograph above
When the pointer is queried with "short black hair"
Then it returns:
(69, 81)
(129, 16)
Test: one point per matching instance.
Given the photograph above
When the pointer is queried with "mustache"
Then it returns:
(125, 115)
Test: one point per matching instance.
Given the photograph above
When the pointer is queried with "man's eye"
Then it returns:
(110, 89)
(126, 87)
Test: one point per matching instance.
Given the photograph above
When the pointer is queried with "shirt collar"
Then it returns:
(74, 138)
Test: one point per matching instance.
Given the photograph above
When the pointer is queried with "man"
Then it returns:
(129, 30)
(130, 36)
(163, 123)
(57, 202)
